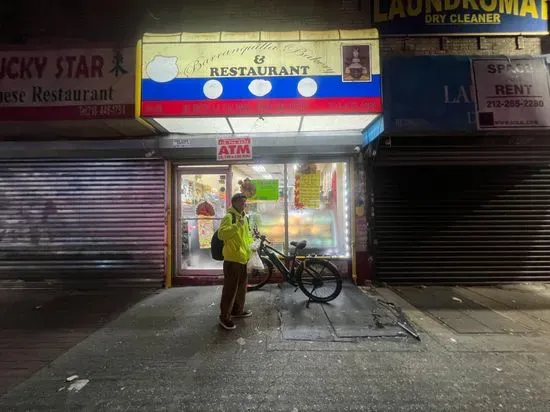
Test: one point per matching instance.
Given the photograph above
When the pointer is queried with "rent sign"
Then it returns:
(67, 84)
(459, 17)
(512, 93)
(234, 148)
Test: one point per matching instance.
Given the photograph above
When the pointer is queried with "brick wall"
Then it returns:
(470, 45)
(256, 15)
(108, 20)
(125, 20)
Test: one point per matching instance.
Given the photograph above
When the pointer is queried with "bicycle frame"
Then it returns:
(293, 272)
(273, 256)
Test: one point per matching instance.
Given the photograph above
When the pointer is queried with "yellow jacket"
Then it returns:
(236, 237)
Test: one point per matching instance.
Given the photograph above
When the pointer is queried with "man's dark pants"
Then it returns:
(235, 278)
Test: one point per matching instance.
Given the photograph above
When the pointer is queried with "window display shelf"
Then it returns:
(317, 227)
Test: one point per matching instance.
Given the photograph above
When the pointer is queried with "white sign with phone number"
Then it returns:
(512, 93)
(67, 84)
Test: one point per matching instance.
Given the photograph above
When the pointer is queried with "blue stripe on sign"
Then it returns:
(237, 88)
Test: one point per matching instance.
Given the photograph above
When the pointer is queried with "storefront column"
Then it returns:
(168, 223)
(362, 273)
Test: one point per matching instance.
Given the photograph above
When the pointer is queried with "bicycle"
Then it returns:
(309, 274)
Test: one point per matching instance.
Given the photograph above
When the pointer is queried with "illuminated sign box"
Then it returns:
(460, 17)
(257, 74)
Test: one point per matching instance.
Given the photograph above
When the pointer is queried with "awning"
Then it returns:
(261, 82)
(191, 148)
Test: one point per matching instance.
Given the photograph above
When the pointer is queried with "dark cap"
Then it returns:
(238, 196)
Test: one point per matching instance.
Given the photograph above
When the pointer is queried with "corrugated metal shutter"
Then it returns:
(88, 220)
(463, 216)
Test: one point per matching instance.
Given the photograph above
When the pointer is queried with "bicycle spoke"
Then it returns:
(319, 281)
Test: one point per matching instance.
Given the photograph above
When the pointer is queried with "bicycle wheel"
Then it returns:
(319, 280)
(258, 278)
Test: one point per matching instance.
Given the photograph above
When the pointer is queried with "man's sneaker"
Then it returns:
(227, 324)
(243, 314)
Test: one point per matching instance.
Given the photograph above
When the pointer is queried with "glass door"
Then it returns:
(202, 203)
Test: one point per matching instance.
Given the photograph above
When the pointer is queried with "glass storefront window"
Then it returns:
(264, 185)
(319, 207)
(315, 208)
(287, 202)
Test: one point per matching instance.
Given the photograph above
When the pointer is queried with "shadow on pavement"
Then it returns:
(37, 326)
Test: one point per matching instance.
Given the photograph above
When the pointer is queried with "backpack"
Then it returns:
(216, 244)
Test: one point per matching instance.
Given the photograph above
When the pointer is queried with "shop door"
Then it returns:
(202, 203)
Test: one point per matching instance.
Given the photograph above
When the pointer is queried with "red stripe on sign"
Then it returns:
(84, 112)
(258, 107)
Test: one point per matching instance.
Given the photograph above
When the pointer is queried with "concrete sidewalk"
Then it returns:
(39, 325)
(168, 353)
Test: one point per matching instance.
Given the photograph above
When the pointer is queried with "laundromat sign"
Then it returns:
(335, 74)
(69, 84)
(460, 17)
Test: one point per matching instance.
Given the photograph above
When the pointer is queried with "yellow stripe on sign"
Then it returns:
(139, 65)
(306, 53)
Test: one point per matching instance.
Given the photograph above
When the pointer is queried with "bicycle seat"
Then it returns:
(299, 245)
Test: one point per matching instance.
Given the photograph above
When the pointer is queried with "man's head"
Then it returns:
(238, 201)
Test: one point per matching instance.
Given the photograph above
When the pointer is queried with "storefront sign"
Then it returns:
(459, 17)
(261, 78)
(308, 194)
(206, 231)
(512, 93)
(69, 84)
(265, 189)
(234, 148)
(428, 94)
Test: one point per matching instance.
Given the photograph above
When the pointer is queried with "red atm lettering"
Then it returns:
(234, 149)
(243, 149)
(223, 151)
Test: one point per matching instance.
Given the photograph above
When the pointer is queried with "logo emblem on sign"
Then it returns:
(118, 61)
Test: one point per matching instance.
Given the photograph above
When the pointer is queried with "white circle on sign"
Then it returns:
(162, 69)
(260, 87)
(307, 87)
(212, 89)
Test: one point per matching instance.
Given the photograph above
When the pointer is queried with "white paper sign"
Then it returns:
(234, 148)
(512, 93)
(67, 84)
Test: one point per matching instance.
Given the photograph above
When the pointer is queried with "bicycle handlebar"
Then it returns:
(263, 238)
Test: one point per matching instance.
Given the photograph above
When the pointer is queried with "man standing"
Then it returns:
(234, 230)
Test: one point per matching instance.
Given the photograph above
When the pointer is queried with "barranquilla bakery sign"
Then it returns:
(68, 84)
(207, 75)
(460, 17)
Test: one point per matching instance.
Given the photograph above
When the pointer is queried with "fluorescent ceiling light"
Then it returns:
(265, 124)
(194, 125)
(268, 124)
